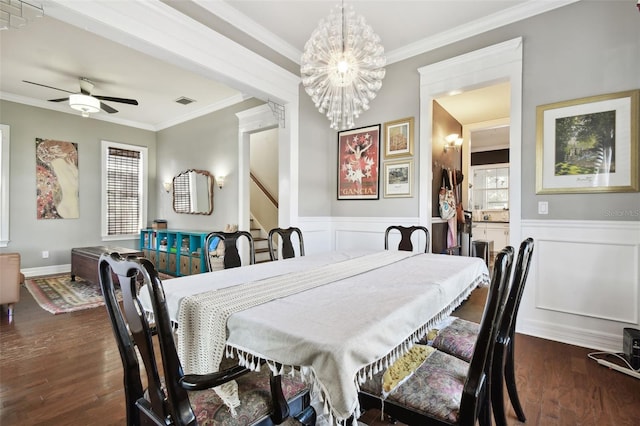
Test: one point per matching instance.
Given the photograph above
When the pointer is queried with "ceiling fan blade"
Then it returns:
(121, 100)
(50, 87)
(59, 100)
(107, 108)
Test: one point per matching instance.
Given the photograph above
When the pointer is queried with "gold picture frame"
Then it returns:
(398, 138)
(588, 145)
(398, 179)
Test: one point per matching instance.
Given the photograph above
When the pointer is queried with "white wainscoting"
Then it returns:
(351, 233)
(584, 282)
(317, 234)
(583, 286)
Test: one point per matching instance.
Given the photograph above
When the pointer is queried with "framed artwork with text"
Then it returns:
(359, 163)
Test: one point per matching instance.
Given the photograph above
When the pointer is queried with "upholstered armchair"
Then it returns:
(10, 280)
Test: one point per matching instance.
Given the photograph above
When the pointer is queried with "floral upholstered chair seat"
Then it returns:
(445, 389)
(458, 338)
(435, 388)
(255, 401)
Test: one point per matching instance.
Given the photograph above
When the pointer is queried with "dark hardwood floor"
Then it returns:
(65, 370)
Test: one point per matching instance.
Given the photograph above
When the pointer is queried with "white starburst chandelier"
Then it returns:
(342, 66)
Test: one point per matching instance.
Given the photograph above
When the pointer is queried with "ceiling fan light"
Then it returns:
(84, 103)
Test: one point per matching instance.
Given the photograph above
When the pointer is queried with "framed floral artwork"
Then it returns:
(398, 178)
(398, 138)
(588, 145)
(358, 163)
(57, 185)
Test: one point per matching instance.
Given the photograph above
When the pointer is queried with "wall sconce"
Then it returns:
(452, 141)
(220, 181)
(167, 187)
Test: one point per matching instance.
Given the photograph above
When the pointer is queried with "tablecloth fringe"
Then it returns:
(253, 362)
(367, 372)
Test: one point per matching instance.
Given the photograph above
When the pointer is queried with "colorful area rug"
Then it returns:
(58, 294)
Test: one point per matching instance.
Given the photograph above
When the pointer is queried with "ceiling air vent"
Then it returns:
(184, 101)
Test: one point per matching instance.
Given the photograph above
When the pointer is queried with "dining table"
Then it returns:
(336, 317)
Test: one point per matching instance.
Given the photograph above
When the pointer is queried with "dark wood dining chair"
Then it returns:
(405, 237)
(459, 338)
(446, 390)
(171, 397)
(285, 235)
(231, 257)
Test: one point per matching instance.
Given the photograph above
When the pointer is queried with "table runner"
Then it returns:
(202, 319)
(178, 288)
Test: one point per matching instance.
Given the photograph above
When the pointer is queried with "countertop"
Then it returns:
(490, 221)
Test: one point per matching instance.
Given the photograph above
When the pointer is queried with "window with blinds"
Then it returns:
(123, 189)
(182, 193)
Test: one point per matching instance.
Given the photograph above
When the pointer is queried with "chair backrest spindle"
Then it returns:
(287, 245)
(132, 330)
(231, 255)
(405, 237)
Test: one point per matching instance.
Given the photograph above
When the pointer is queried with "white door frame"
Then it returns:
(249, 121)
(494, 64)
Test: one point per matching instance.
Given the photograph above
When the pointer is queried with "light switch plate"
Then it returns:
(543, 207)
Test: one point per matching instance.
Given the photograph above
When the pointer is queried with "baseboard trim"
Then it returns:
(46, 270)
(571, 335)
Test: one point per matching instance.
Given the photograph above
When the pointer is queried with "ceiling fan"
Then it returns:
(85, 102)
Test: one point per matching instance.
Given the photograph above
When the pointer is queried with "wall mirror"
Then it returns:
(193, 192)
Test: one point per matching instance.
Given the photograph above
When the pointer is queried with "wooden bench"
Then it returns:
(84, 260)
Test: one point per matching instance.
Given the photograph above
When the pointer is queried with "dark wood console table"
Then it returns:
(84, 260)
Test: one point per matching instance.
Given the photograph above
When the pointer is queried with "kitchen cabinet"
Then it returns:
(492, 231)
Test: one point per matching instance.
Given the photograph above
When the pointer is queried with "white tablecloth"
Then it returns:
(178, 288)
(344, 330)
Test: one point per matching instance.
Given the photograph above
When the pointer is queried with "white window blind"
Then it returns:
(124, 195)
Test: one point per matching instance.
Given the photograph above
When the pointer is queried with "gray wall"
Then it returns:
(30, 236)
(318, 143)
(580, 50)
(207, 143)
(583, 49)
(398, 98)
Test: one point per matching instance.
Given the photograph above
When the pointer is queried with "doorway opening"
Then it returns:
(484, 68)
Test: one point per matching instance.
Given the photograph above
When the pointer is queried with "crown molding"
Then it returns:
(136, 124)
(64, 108)
(203, 111)
(508, 16)
(499, 19)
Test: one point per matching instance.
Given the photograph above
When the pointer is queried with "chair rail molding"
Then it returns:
(324, 233)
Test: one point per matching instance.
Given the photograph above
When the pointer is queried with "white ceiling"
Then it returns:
(54, 53)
